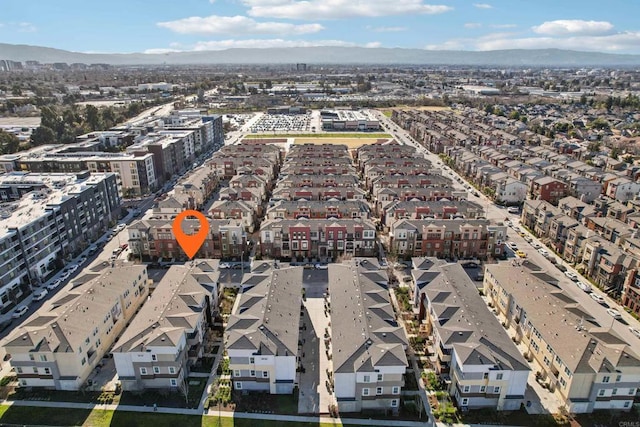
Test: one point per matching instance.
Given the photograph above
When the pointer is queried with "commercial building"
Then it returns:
(52, 217)
(62, 343)
(262, 333)
(169, 334)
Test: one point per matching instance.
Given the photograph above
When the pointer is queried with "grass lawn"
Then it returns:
(320, 135)
(100, 418)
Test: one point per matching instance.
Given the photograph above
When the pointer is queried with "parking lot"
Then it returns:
(281, 123)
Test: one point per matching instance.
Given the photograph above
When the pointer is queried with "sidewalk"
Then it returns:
(229, 414)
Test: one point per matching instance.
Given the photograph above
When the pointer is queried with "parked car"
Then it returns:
(65, 275)
(93, 249)
(521, 254)
(512, 245)
(561, 267)
(19, 312)
(635, 331)
(544, 252)
(571, 275)
(82, 260)
(614, 313)
(72, 268)
(51, 286)
(536, 245)
(40, 295)
(224, 265)
(584, 286)
(597, 298)
(321, 266)
(513, 209)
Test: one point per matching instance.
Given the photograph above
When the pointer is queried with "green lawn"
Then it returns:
(319, 135)
(100, 418)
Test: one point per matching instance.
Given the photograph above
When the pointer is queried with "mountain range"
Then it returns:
(328, 55)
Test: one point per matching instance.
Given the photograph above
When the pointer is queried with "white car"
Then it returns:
(19, 312)
(512, 245)
(543, 252)
(614, 313)
(82, 260)
(585, 287)
(513, 209)
(635, 331)
(536, 245)
(40, 295)
(120, 227)
(597, 298)
(73, 268)
(51, 286)
(65, 275)
(571, 275)
(224, 265)
(321, 266)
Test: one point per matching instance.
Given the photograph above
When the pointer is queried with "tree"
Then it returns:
(43, 135)
(594, 146)
(9, 143)
(92, 117)
(514, 115)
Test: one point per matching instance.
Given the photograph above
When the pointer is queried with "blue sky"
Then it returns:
(185, 25)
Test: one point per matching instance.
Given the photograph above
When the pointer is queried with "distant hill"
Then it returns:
(328, 55)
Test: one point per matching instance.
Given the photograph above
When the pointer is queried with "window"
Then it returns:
(485, 375)
(43, 357)
(143, 371)
(618, 378)
(483, 389)
(238, 385)
(252, 360)
(252, 373)
(173, 382)
(601, 392)
(265, 374)
(31, 357)
(632, 391)
(365, 392)
(496, 389)
(236, 373)
(466, 389)
(154, 357)
(395, 390)
(47, 371)
(172, 370)
(614, 392)
(605, 379)
(394, 403)
(35, 370)
(156, 369)
(378, 390)
(499, 377)
(367, 378)
(379, 377)
(465, 401)
(626, 404)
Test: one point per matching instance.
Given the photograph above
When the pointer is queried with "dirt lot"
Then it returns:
(349, 142)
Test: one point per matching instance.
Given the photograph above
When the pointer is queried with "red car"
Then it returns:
(124, 246)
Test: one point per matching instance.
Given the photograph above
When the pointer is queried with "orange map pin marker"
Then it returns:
(190, 244)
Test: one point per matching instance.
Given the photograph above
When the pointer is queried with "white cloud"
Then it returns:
(26, 27)
(628, 42)
(448, 45)
(472, 25)
(337, 9)
(159, 51)
(387, 29)
(235, 25)
(498, 26)
(573, 27)
(266, 43)
(483, 6)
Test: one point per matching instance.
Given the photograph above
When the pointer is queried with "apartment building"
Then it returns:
(316, 209)
(586, 365)
(367, 343)
(459, 238)
(473, 354)
(262, 333)
(60, 345)
(169, 334)
(548, 189)
(61, 216)
(317, 238)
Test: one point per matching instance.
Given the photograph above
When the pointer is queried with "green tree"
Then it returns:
(514, 115)
(92, 117)
(43, 135)
(9, 143)
(594, 146)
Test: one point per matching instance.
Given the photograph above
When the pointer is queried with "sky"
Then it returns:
(158, 26)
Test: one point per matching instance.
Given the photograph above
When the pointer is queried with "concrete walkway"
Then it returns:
(229, 414)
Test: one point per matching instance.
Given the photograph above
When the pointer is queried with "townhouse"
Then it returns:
(443, 209)
(153, 239)
(622, 189)
(242, 210)
(49, 225)
(368, 355)
(262, 334)
(587, 367)
(473, 354)
(548, 189)
(318, 193)
(319, 209)
(447, 238)
(169, 334)
(60, 345)
(510, 191)
(317, 238)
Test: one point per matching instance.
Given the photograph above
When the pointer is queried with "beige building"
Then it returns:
(59, 346)
(587, 366)
(168, 335)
